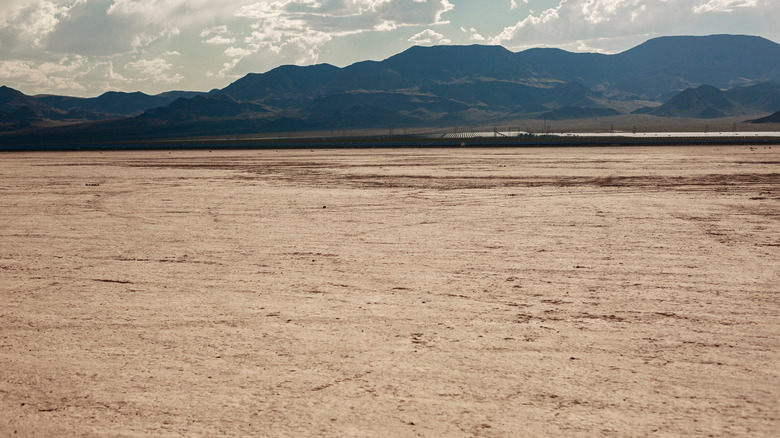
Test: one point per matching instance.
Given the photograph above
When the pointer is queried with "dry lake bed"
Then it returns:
(463, 292)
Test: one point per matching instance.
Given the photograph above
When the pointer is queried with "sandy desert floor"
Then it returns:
(469, 292)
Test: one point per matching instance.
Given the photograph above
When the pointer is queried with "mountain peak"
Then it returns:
(443, 64)
(688, 42)
(9, 90)
(450, 53)
(704, 102)
(455, 48)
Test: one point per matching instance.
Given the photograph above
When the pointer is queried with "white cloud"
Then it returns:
(69, 75)
(600, 11)
(216, 30)
(235, 52)
(156, 70)
(227, 67)
(181, 13)
(607, 25)
(428, 37)
(33, 76)
(261, 10)
(219, 40)
(386, 25)
(32, 16)
(24, 25)
(724, 6)
(473, 34)
(146, 38)
(149, 67)
(446, 7)
(297, 29)
(101, 77)
(86, 30)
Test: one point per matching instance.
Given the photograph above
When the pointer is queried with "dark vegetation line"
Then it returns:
(401, 142)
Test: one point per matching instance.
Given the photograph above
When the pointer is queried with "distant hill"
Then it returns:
(114, 103)
(12, 100)
(108, 105)
(20, 118)
(438, 86)
(708, 102)
(704, 102)
(203, 108)
(761, 97)
(774, 118)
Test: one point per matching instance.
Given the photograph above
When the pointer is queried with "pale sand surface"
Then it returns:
(495, 292)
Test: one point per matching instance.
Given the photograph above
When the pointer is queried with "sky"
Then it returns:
(87, 47)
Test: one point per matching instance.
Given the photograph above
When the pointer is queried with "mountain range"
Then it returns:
(685, 76)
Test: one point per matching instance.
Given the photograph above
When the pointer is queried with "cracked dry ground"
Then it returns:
(465, 292)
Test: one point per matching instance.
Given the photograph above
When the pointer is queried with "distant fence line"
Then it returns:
(721, 134)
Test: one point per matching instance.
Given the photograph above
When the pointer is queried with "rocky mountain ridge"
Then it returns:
(695, 77)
